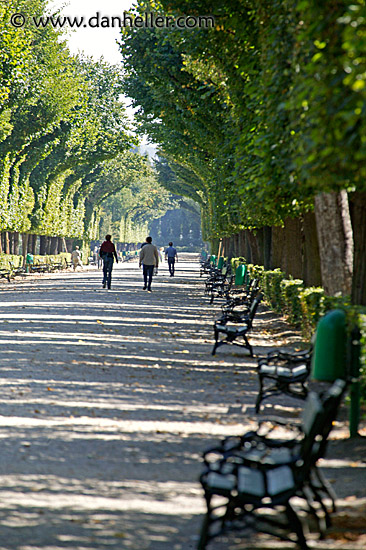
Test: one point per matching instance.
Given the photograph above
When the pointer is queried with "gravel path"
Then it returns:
(108, 399)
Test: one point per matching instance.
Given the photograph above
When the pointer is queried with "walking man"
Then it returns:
(149, 258)
(108, 253)
(76, 258)
(171, 254)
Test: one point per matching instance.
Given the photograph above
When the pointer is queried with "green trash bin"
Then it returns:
(213, 260)
(220, 263)
(330, 351)
(240, 275)
(29, 260)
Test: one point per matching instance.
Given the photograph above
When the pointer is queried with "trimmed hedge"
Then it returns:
(302, 306)
(290, 294)
(312, 307)
(271, 284)
(235, 262)
(5, 260)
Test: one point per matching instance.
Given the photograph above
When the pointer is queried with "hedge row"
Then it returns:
(304, 306)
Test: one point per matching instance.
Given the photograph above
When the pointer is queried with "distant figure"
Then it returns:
(95, 255)
(149, 258)
(100, 261)
(171, 255)
(108, 253)
(76, 258)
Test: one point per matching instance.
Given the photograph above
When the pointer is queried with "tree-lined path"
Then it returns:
(108, 399)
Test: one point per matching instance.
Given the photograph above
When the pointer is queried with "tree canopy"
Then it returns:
(260, 113)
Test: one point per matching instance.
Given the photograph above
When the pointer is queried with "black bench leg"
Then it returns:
(326, 488)
(216, 341)
(259, 397)
(295, 524)
(204, 535)
(248, 346)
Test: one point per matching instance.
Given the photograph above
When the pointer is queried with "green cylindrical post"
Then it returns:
(329, 357)
(240, 275)
(220, 262)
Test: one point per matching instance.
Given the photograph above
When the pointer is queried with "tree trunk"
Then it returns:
(24, 247)
(294, 246)
(358, 216)
(278, 247)
(60, 245)
(48, 245)
(267, 247)
(335, 239)
(53, 245)
(69, 243)
(10, 237)
(254, 248)
(42, 245)
(6, 243)
(16, 243)
(311, 273)
(237, 245)
(248, 251)
(32, 245)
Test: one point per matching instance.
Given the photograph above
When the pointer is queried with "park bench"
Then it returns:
(283, 373)
(38, 267)
(5, 274)
(249, 482)
(242, 300)
(208, 266)
(16, 270)
(288, 373)
(219, 283)
(54, 265)
(236, 325)
(205, 267)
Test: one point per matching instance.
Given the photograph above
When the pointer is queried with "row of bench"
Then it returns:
(37, 267)
(250, 482)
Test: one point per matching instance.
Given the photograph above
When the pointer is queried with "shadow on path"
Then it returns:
(108, 399)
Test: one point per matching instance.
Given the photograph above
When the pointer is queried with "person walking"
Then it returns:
(171, 255)
(149, 258)
(108, 253)
(76, 258)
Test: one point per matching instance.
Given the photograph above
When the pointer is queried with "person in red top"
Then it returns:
(108, 253)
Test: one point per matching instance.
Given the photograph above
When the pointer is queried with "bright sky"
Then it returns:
(95, 42)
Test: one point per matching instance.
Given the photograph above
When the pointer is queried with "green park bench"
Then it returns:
(5, 274)
(249, 481)
(233, 328)
(16, 270)
(288, 373)
(39, 267)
